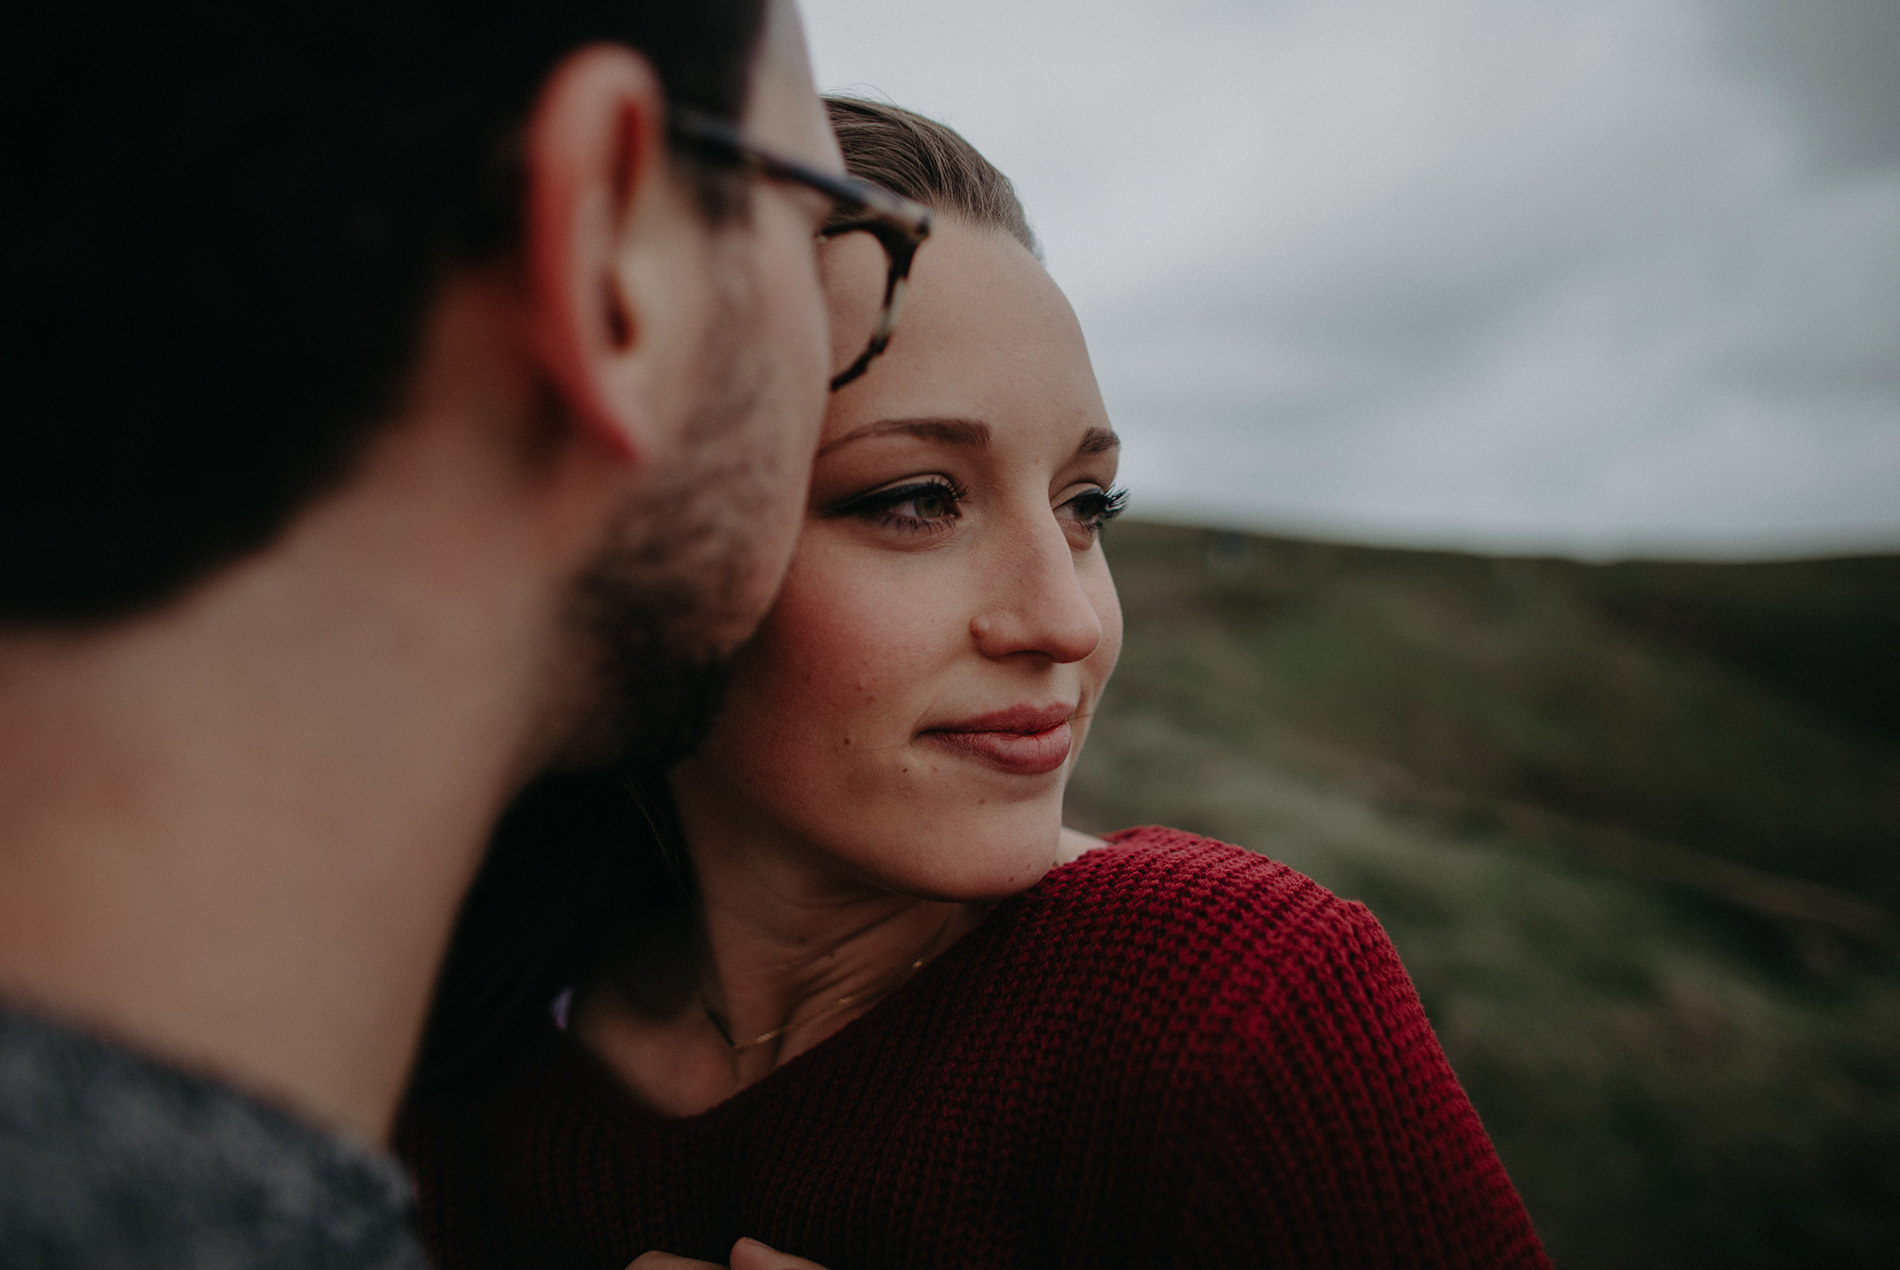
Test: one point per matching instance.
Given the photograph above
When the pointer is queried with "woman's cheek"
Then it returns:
(826, 683)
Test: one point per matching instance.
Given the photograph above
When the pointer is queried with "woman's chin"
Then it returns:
(974, 867)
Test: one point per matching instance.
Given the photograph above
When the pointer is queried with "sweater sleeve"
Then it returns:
(1327, 1128)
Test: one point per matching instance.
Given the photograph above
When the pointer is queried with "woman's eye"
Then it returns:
(1094, 508)
(918, 505)
(933, 503)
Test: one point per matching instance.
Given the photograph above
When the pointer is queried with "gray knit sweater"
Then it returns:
(109, 1160)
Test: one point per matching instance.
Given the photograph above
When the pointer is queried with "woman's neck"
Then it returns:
(770, 991)
(780, 953)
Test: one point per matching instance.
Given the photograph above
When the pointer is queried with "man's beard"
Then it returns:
(665, 584)
(663, 690)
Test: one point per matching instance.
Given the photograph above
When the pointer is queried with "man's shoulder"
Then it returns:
(109, 1159)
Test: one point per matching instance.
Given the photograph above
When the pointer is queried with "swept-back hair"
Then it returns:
(929, 162)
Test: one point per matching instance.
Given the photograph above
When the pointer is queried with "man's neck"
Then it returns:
(234, 832)
(237, 840)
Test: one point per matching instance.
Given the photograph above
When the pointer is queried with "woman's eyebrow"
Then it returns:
(973, 433)
(1098, 441)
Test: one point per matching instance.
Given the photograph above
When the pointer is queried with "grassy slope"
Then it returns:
(1635, 830)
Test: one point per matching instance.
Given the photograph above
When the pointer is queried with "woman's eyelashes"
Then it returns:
(932, 504)
(913, 506)
(1092, 509)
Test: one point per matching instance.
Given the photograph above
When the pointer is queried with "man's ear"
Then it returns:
(597, 177)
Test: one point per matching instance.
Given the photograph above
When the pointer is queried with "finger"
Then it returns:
(667, 1261)
(750, 1254)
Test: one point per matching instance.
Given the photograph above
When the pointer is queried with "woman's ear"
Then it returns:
(597, 178)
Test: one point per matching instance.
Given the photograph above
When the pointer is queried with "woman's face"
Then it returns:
(912, 706)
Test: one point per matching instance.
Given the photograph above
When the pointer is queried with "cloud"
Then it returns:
(1601, 278)
(1831, 62)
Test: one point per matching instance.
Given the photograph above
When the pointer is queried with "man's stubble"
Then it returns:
(670, 596)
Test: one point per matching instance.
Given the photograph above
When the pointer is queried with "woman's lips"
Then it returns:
(1022, 742)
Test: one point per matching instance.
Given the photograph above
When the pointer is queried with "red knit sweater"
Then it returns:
(1169, 1052)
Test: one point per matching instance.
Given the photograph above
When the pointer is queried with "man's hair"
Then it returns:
(226, 221)
(928, 162)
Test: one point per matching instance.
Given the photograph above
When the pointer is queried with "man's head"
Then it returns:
(233, 222)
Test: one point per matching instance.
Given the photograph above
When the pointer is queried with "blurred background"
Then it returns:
(1511, 398)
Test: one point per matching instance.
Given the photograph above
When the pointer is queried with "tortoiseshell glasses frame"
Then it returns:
(897, 223)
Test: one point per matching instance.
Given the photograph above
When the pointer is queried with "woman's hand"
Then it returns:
(747, 1254)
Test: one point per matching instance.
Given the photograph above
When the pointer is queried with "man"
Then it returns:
(403, 402)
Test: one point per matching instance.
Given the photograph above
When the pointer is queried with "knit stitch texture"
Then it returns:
(1168, 1052)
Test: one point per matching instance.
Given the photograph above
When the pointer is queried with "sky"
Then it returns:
(1588, 277)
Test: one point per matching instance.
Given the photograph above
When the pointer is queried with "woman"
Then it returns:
(888, 1012)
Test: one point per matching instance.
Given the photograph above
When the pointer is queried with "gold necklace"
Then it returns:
(880, 987)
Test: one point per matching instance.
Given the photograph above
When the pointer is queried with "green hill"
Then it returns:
(1635, 829)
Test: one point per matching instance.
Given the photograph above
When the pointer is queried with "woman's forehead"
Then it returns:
(986, 335)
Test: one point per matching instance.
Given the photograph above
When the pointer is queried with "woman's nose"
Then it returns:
(1033, 602)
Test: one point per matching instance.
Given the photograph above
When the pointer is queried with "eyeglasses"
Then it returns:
(897, 223)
